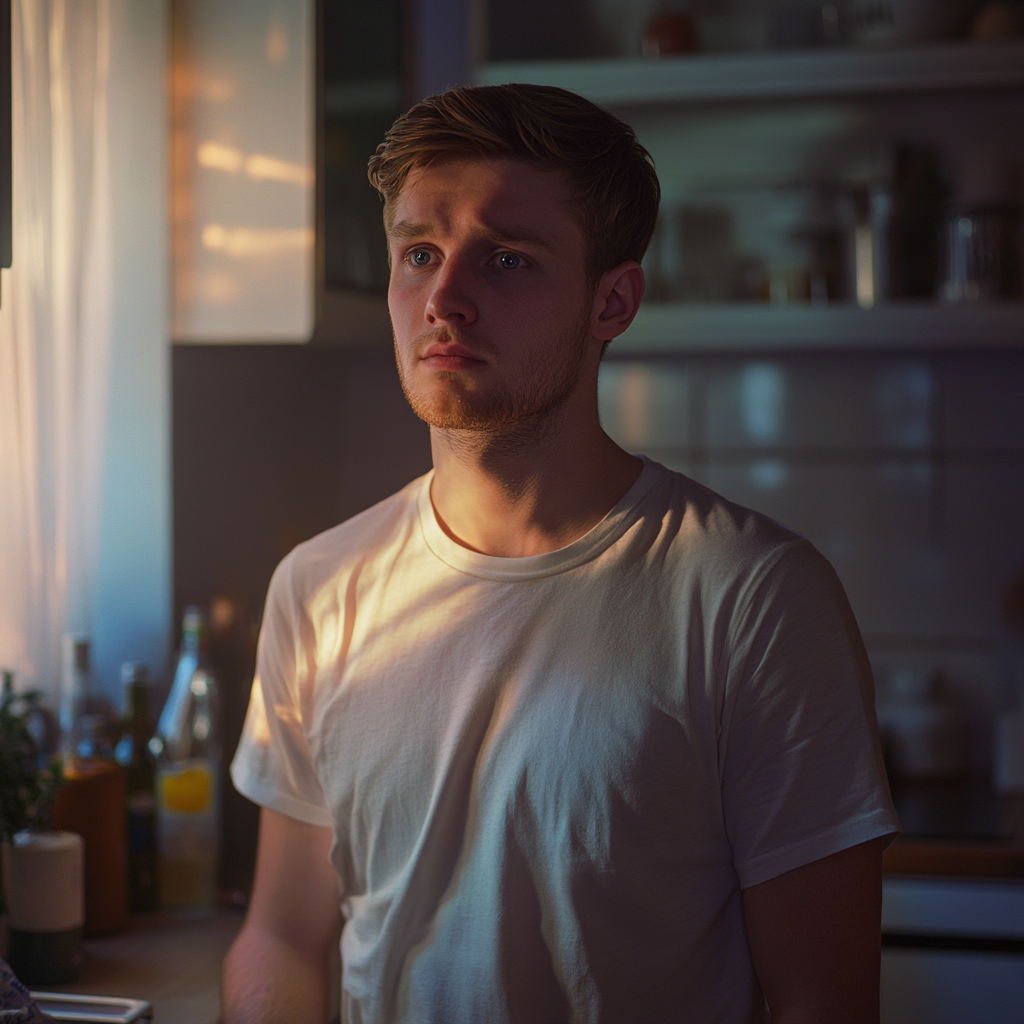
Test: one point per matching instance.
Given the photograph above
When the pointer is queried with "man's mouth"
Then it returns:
(450, 355)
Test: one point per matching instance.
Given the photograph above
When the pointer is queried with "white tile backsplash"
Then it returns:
(983, 527)
(821, 402)
(983, 402)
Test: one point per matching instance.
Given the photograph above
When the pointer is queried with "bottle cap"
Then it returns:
(76, 652)
(134, 672)
(193, 620)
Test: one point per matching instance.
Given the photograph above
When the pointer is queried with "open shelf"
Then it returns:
(750, 327)
(776, 75)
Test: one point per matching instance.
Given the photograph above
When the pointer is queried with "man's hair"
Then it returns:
(614, 191)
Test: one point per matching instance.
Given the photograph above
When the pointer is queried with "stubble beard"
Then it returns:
(518, 406)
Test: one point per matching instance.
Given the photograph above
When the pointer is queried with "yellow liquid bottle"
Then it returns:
(187, 809)
(188, 779)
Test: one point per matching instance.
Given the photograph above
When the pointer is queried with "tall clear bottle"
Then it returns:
(188, 762)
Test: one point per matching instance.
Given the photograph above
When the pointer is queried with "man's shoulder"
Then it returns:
(715, 527)
(733, 553)
(339, 549)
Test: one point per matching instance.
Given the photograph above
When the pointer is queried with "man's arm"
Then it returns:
(277, 969)
(815, 938)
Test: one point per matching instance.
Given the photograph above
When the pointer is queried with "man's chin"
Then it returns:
(446, 403)
(454, 415)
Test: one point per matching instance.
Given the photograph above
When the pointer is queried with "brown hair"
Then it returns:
(612, 183)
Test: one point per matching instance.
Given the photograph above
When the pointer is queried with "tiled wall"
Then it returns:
(907, 472)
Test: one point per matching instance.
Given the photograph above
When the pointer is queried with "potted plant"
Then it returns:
(28, 778)
(41, 894)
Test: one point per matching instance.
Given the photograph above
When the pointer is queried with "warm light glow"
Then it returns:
(277, 43)
(258, 167)
(266, 168)
(220, 158)
(218, 90)
(635, 399)
(220, 289)
(245, 242)
(257, 716)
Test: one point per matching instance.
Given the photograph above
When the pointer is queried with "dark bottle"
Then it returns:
(136, 758)
(91, 797)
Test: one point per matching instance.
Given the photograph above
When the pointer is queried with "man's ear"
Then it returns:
(616, 300)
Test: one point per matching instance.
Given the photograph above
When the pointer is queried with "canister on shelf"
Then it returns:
(979, 253)
(43, 886)
(922, 731)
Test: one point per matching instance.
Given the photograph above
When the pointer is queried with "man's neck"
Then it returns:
(529, 488)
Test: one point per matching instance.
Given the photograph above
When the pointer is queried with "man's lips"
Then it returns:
(450, 355)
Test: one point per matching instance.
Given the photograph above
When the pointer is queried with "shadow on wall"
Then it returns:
(272, 445)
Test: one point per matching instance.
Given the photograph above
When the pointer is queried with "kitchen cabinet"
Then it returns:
(953, 907)
(952, 951)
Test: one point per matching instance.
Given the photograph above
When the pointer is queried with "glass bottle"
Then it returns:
(85, 716)
(91, 799)
(188, 762)
(135, 757)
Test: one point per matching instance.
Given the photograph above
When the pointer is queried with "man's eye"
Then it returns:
(510, 261)
(419, 258)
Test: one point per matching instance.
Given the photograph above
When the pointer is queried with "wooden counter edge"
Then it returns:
(909, 856)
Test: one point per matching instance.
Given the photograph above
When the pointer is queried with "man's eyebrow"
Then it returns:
(508, 236)
(512, 235)
(411, 229)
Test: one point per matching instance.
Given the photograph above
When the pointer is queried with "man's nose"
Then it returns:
(451, 299)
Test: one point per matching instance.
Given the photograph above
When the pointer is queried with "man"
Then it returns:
(572, 737)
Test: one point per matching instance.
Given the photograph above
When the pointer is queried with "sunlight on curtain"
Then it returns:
(54, 331)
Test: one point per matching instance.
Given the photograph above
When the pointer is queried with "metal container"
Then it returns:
(922, 733)
(979, 257)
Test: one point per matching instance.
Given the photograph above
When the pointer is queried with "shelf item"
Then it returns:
(776, 75)
(745, 327)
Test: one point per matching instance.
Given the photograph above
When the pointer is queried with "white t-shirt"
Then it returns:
(550, 777)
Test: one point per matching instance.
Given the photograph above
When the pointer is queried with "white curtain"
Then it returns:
(55, 331)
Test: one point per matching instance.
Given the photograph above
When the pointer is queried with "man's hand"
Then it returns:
(278, 968)
(815, 937)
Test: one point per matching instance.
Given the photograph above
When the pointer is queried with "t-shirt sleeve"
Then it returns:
(800, 760)
(273, 766)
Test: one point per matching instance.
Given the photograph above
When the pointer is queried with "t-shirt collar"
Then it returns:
(508, 570)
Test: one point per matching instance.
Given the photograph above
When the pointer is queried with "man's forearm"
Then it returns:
(268, 981)
(815, 938)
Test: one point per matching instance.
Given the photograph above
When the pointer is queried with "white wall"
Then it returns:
(132, 601)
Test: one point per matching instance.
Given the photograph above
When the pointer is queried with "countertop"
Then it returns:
(958, 829)
(171, 959)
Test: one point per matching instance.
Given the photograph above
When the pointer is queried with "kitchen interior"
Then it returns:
(833, 334)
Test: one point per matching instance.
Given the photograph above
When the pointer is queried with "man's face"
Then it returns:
(488, 295)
